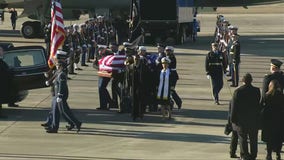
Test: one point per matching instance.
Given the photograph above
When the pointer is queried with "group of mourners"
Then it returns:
(142, 80)
(249, 110)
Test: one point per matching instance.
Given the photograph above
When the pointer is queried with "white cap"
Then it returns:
(165, 60)
(169, 48)
(142, 48)
(126, 44)
(61, 54)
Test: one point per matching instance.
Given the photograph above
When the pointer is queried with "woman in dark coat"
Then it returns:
(273, 119)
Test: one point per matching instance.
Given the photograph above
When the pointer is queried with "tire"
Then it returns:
(28, 30)
(32, 29)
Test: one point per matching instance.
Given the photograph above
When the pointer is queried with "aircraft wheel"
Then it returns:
(28, 29)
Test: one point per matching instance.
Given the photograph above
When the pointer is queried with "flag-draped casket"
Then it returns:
(111, 64)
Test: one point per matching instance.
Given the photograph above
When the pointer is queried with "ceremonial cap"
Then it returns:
(276, 63)
(165, 60)
(233, 28)
(171, 48)
(142, 48)
(214, 44)
(61, 54)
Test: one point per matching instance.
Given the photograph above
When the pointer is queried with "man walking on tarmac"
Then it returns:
(215, 67)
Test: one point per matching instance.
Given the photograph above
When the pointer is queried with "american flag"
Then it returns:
(57, 30)
(112, 63)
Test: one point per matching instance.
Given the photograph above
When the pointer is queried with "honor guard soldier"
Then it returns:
(276, 74)
(214, 66)
(172, 67)
(161, 54)
(235, 52)
(165, 84)
(62, 107)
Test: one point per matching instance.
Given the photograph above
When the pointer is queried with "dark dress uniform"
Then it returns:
(273, 122)
(277, 75)
(62, 107)
(140, 87)
(235, 55)
(175, 77)
(245, 118)
(214, 66)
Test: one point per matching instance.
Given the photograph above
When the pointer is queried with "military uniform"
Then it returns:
(278, 75)
(62, 107)
(174, 74)
(235, 55)
(214, 66)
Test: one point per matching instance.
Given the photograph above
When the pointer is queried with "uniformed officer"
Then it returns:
(62, 107)
(172, 66)
(214, 66)
(165, 86)
(116, 79)
(161, 54)
(235, 52)
(51, 75)
(276, 73)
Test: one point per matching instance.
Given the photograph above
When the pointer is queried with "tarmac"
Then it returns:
(195, 133)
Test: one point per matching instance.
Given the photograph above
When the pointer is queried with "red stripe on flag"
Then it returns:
(57, 30)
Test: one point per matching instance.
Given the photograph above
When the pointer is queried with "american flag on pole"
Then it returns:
(57, 30)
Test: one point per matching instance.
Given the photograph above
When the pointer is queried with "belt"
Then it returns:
(215, 64)
(173, 69)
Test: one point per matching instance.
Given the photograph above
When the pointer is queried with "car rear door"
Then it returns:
(28, 65)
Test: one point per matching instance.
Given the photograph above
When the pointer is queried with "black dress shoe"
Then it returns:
(45, 124)
(229, 80)
(51, 131)
(234, 156)
(79, 127)
(70, 127)
(268, 157)
(72, 73)
(232, 85)
(84, 65)
(217, 102)
(78, 69)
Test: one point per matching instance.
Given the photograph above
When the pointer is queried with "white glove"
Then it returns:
(47, 83)
(58, 100)
(208, 76)
(71, 49)
(46, 75)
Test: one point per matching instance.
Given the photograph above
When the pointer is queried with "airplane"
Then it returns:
(232, 3)
(39, 10)
(72, 9)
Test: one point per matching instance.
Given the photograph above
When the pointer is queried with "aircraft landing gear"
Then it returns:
(31, 29)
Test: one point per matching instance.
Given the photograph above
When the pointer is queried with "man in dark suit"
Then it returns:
(6, 78)
(276, 73)
(245, 116)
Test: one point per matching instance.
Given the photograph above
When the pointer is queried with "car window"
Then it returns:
(24, 58)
